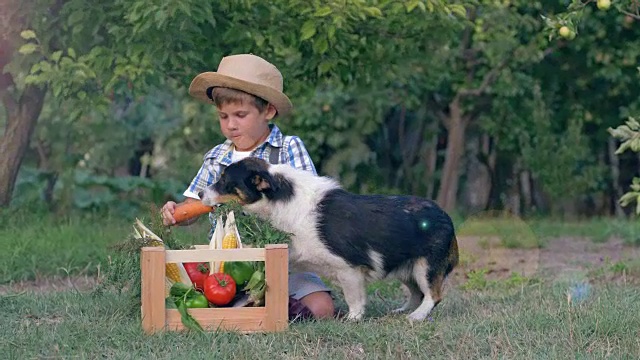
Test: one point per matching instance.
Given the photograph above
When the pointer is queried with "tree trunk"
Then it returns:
(431, 159)
(514, 196)
(456, 126)
(22, 116)
(477, 188)
(22, 110)
(614, 162)
(44, 165)
(525, 189)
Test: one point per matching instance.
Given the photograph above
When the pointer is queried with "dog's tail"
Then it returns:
(453, 256)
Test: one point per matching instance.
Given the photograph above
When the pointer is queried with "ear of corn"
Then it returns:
(230, 241)
(216, 242)
(174, 272)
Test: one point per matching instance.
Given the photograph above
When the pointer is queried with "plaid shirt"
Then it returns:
(291, 150)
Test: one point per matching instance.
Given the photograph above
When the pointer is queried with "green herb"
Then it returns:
(187, 320)
(253, 230)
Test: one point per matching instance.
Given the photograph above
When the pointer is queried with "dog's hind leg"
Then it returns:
(420, 269)
(413, 296)
(353, 287)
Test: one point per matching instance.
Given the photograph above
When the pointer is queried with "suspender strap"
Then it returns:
(274, 155)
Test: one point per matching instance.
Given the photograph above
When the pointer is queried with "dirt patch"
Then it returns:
(561, 257)
(52, 284)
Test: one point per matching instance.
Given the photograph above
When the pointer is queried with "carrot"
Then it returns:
(189, 210)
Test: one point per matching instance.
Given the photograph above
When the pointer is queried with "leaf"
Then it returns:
(75, 17)
(412, 5)
(187, 320)
(459, 10)
(308, 30)
(323, 11)
(259, 39)
(627, 198)
(27, 49)
(331, 31)
(28, 34)
(72, 53)
(373, 11)
(633, 123)
(321, 46)
(324, 67)
(430, 6)
(56, 56)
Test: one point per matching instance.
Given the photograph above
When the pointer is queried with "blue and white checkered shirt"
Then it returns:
(291, 151)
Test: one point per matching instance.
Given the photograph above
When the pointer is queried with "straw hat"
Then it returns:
(249, 73)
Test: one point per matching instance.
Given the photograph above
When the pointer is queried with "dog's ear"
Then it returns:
(263, 181)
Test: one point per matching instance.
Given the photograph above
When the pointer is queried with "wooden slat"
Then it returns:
(246, 319)
(277, 295)
(252, 254)
(152, 266)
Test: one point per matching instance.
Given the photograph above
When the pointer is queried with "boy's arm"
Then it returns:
(205, 177)
(298, 156)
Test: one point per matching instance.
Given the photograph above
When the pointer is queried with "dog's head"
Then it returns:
(247, 181)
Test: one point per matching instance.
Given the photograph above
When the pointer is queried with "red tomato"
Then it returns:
(197, 272)
(219, 289)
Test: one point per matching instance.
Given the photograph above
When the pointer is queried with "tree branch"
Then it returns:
(488, 80)
(492, 75)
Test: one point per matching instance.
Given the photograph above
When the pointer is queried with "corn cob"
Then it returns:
(174, 272)
(230, 241)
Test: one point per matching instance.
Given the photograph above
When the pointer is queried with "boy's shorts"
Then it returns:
(305, 283)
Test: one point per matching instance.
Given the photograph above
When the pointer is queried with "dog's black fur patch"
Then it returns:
(399, 228)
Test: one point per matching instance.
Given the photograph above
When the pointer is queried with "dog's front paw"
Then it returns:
(417, 316)
(354, 316)
(399, 310)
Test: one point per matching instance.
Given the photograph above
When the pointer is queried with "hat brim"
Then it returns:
(200, 84)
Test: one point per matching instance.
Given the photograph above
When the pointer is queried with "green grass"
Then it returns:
(533, 321)
(516, 317)
(36, 247)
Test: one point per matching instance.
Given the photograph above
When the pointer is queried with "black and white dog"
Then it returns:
(348, 238)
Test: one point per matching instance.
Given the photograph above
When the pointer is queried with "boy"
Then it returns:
(247, 90)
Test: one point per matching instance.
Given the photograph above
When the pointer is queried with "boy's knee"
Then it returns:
(320, 304)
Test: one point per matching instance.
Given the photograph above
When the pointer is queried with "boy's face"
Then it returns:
(244, 125)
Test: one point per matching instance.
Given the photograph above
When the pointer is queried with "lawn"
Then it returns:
(489, 311)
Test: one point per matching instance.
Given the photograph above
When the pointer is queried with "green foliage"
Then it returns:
(118, 73)
(84, 190)
(629, 136)
(252, 229)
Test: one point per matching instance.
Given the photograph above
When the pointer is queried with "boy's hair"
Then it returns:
(222, 95)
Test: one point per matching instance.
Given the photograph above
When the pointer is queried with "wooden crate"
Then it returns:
(270, 318)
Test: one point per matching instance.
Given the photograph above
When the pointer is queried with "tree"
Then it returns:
(22, 103)
(85, 50)
(616, 69)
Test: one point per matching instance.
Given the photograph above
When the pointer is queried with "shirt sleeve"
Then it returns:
(299, 156)
(204, 178)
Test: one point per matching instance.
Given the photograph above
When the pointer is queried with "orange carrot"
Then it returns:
(189, 210)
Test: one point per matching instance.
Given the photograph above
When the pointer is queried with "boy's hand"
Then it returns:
(167, 213)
